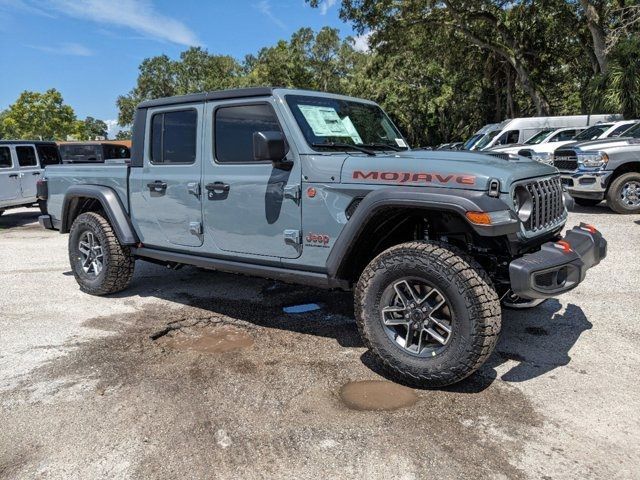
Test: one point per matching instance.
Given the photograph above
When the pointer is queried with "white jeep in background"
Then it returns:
(21, 166)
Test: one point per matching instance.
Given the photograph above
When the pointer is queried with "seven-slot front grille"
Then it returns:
(548, 203)
(565, 160)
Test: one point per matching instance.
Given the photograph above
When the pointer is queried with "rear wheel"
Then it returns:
(428, 313)
(623, 195)
(100, 264)
(587, 202)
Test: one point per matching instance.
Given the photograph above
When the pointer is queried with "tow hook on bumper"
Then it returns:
(558, 266)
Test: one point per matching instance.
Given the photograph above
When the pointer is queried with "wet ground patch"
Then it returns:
(377, 395)
(208, 340)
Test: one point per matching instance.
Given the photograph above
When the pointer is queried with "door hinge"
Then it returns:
(195, 228)
(293, 192)
(194, 188)
(292, 237)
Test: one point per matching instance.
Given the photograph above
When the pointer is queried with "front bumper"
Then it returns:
(558, 266)
(585, 183)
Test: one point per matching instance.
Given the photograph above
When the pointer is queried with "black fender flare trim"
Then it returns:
(111, 204)
(458, 201)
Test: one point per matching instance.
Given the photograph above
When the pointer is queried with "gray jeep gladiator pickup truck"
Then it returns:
(606, 169)
(323, 190)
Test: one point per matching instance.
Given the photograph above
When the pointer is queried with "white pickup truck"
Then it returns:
(21, 166)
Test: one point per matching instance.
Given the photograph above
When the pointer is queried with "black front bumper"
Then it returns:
(558, 266)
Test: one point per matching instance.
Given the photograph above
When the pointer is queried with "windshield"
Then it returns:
(592, 133)
(486, 139)
(331, 122)
(539, 137)
(471, 142)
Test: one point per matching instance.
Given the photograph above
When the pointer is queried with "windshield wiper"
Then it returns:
(344, 145)
(387, 146)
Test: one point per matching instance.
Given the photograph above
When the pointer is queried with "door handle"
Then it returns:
(35, 173)
(217, 187)
(157, 186)
(13, 175)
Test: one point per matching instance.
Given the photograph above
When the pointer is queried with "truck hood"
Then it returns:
(465, 170)
(606, 143)
(548, 147)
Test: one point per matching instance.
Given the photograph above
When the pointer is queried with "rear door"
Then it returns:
(9, 177)
(166, 190)
(29, 170)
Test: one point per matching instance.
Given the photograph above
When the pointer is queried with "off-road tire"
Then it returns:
(42, 205)
(118, 261)
(614, 201)
(586, 202)
(475, 305)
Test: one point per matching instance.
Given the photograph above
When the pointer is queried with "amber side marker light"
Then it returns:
(479, 218)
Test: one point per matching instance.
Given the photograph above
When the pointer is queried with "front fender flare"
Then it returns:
(111, 204)
(435, 199)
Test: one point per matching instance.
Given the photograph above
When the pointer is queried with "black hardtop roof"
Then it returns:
(32, 142)
(206, 96)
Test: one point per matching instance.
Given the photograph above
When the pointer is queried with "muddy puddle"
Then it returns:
(377, 395)
(211, 341)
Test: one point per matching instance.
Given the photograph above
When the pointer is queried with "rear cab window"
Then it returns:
(5, 157)
(26, 156)
(173, 137)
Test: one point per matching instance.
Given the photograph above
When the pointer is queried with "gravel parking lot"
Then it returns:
(195, 374)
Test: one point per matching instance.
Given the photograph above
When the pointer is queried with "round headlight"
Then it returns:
(523, 203)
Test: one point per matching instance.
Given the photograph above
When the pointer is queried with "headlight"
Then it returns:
(544, 157)
(592, 159)
(523, 203)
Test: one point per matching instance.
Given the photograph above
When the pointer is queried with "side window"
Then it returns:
(26, 157)
(49, 155)
(620, 130)
(174, 137)
(5, 157)
(234, 129)
(506, 138)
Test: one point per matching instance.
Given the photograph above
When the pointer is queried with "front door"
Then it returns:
(166, 201)
(249, 207)
(29, 170)
(9, 177)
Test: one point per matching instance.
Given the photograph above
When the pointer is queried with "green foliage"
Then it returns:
(90, 129)
(123, 135)
(37, 115)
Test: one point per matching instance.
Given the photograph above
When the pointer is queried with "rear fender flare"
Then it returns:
(111, 204)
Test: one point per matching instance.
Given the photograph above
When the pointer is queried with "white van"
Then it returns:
(519, 130)
(551, 135)
(21, 166)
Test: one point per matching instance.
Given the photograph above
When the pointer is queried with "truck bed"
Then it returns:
(61, 177)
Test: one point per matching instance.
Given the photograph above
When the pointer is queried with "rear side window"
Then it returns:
(5, 157)
(506, 138)
(26, 157)
(173, 137)
(116, 151)
(49, 155)
(620, 130)
(234, 129)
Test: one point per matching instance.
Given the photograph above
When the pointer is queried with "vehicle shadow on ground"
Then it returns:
(601, 208)
(18, 219)
(539, 339)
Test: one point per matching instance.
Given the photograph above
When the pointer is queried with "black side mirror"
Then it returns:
(272, 147)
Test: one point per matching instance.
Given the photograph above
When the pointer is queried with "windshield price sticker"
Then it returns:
(325, 122)
(401, 143)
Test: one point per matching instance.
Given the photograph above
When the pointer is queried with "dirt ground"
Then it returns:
(196, 374)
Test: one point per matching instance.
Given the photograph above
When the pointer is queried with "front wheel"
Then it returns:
(623, 195)
(428, 313)
(100, 264)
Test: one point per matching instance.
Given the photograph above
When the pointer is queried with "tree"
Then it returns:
(123, 135)
(37, 115)
(90, 129)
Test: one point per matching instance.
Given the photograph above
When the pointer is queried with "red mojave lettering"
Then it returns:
(410, 177)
